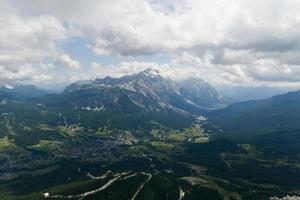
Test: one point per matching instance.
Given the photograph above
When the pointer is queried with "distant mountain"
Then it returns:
(147, 91)
(133, 101)
(201, 93)
(247, 93)
(138, 101)
(20, 92)
(246, 119)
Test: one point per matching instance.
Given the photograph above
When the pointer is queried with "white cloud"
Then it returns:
(65, 60)
(25, 73)
(185, 65)
(135, 27)
(271, 70)
(25, 42)
(232, 42)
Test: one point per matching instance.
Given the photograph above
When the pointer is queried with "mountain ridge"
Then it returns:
(21, 92)
(254, 117)
(161, 91)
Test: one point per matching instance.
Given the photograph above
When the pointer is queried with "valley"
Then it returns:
(143, 137)
(149, 100)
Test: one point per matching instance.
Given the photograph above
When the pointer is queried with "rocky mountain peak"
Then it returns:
(152, 73)
(149, 90)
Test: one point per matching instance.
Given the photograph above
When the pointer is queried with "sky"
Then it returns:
(232, 42)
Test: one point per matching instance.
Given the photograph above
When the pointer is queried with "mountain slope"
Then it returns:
(147, 90)
(21, 92)
(150, 91)
(137, 102)
(202, 94)
(279, 113)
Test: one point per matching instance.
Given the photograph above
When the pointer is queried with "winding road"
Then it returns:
(142, 185)
(121, 176)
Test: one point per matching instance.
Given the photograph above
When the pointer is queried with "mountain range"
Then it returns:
(139, 99)
(147, 91)
(146, 134)
(21, 92)
(247, 119)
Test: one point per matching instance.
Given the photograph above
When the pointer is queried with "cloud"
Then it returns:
(271, 70)
(237, 69)
(65, 60)
(138, 27)
(25, 43)
(186, 65)
(223, 42)
(180, 67)
(24, 73)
